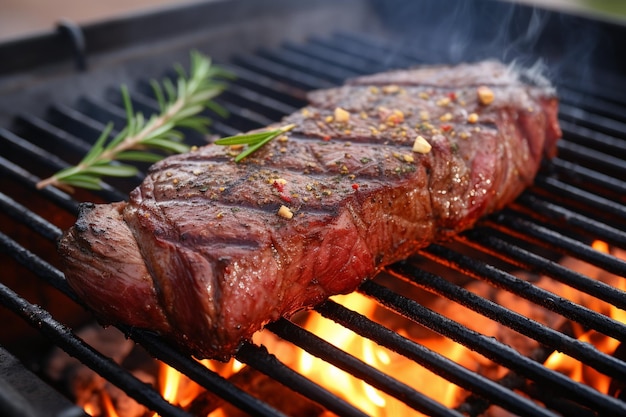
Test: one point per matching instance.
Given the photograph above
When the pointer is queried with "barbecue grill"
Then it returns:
(60, 89)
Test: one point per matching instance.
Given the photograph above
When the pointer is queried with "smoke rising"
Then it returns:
(452, 31)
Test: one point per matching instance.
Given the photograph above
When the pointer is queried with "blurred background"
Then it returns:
(19, 18)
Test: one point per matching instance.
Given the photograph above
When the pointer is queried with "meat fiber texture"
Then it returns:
(202, 255)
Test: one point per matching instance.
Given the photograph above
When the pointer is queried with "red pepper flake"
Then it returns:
(445, 128)
(326, 138)
(452, 95)
(285, 198)
(355, 186)
(280, 186)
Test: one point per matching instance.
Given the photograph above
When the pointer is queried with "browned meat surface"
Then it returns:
(201, 254)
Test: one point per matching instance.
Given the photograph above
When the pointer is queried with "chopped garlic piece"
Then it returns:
(341, 115)
(442, 102)
(285, 212)
(446, 117)
(472, 118)
(421, 145)
(485, 95)
(391, 89)
(408, 158)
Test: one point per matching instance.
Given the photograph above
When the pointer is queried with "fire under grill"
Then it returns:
(510, 265)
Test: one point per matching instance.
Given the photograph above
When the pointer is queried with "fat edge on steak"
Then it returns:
(203, 254)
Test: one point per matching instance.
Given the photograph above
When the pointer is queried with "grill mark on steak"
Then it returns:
(206, 259)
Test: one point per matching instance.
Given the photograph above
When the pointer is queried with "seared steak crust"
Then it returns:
(201, 254)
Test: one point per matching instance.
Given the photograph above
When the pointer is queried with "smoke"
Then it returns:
(451, 31)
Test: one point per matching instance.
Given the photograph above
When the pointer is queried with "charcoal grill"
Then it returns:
(59, 89)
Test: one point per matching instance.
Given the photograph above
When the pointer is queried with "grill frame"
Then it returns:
(511, 222)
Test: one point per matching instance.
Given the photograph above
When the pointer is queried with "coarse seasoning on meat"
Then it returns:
(207, 251)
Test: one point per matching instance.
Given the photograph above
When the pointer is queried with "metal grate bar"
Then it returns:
(367, 46)
(29, 180)
(76, 123)
(324, 53)
(37, 154)
(274, 70)
(433, 361)
(595, 228)
(526, 290)
(356, 58)
(528, 327)
(61, 336)
(587, 156)
(306, 64)
(44, 134)
(538, 234)
(594, 105)
(596, 122)
(24, 215)
(206, 378)
(492, 349)
(329, 353)
(250, 99)
(260, 359)
(560, 188)
(598, 141)
(487, 241)
(585, 176)
(102, 110)
(267, 86)
(47, 158)
(367, 54)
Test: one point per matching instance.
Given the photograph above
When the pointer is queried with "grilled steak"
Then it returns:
(206, 251)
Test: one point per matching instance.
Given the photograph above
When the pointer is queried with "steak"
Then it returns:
(207, 251)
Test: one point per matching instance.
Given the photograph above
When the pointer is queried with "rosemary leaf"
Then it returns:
(254, 140)
(196, 123)
(83, 181)
(112, 170)
(187, 112)
(180, 104)
(216, 108)
(251, 138)
(117, 139)
(158, 93)
(139, 156)
(252, 148)
(169, 89)
(98, 146)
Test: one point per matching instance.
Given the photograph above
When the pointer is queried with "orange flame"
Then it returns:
(577, 370)
(179, 390)
(108, 405)
(90, 409)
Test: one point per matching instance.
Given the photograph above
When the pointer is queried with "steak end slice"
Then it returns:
(207, 251)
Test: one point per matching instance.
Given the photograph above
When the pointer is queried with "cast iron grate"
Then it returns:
(577, 198)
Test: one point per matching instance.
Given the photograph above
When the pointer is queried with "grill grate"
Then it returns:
(578, 197)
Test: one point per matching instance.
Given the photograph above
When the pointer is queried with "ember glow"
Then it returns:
(577, 370)
(179, 390)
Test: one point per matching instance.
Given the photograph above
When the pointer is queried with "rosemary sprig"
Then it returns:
(254, 140)
(179, 105)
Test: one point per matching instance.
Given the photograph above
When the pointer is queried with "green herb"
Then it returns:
(254, 140)
(180, 105)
